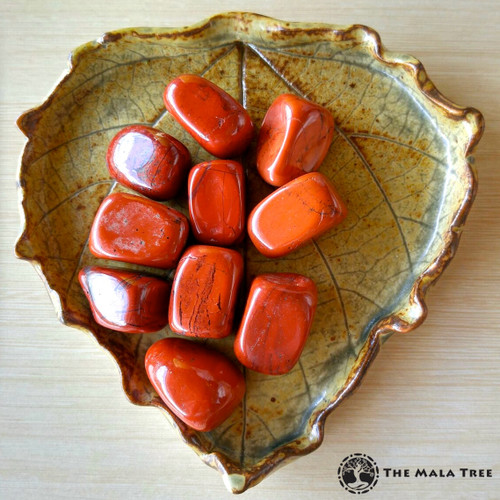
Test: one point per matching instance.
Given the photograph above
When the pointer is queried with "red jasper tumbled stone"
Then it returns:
(293, 140)
(295, 213)
(216, 193)
(149, 161)
(204, 291)
(134, 229)
(276, 322)
(198, 384)
(126, 301)
(216, 120)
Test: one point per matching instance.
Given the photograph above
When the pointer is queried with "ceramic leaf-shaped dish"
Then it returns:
(400, 159)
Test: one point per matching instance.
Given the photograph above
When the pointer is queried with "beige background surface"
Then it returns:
(431, 399)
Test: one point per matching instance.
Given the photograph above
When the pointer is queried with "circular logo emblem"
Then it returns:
(358, 473)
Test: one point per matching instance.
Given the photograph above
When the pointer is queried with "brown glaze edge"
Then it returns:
(388, 325)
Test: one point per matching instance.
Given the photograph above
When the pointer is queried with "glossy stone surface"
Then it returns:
(199, 385)
(149, 161)
(215, 119)
(134, 229)
(292, 215)
(204, 291)
(294, 139)
(276, 322)
(216, 193)
(126, 301)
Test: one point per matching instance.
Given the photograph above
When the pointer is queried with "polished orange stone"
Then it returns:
(276, 322)
(134, 229)
(204, 291)
(217, 121)
(295, 213)
(216, 193)
(293, 140)
(126, 301)
(149, 161)
(198, 384)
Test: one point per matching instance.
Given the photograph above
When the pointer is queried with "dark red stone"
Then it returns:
(216, 192)
(204, 291)
(134, 229)
(276, 322)
(293, 140)
(216, 120)
(198, 384)
(149, 161)
(126, 301)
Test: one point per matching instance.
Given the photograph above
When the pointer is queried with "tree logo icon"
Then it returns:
(358, 473)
